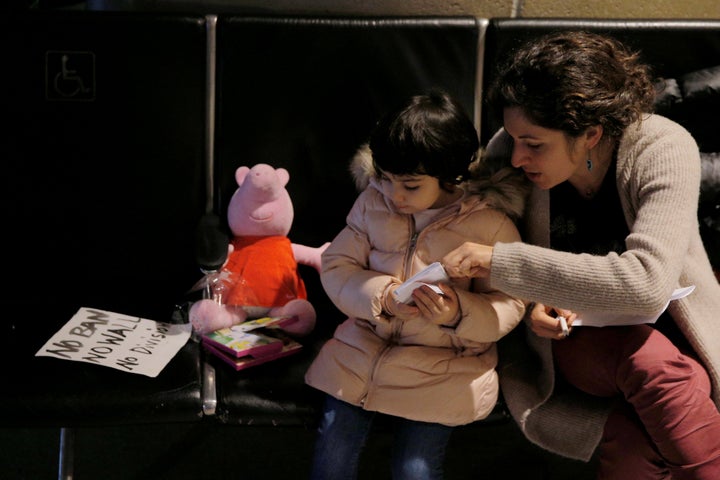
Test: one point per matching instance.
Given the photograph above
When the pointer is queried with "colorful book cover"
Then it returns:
(264, 322)
(288, 347)
(240, 344)
(259, 337)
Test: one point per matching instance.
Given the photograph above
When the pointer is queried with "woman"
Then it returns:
(612, 229)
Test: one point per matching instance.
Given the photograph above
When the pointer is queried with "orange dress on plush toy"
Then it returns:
(261, 276)
(270, 264)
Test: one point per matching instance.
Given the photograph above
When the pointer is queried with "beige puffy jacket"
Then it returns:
(412, 368)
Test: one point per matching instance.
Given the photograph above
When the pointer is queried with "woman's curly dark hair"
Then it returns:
(572, 80)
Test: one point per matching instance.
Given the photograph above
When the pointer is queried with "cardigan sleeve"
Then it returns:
(488, 314)
(658, 177)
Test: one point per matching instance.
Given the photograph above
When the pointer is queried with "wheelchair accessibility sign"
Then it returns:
(70, 76)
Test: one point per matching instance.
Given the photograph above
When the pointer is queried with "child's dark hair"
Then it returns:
(429, 134)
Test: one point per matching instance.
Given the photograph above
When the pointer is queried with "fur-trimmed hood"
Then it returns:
(502, 186)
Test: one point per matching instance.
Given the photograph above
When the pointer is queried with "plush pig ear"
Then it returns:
(241, 173)
(283, 176)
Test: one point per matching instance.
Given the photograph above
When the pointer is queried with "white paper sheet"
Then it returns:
(123, 342)
(430, 275)
(604, 319)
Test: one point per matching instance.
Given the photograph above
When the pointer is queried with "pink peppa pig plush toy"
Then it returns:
(260, 277)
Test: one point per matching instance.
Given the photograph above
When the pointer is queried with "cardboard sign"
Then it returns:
(130, 344)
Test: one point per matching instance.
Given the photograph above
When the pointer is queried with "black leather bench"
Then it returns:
(307, 97)
(103, 148)
(304, 99)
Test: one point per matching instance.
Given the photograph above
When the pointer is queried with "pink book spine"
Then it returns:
(247, 362)
(245, 344)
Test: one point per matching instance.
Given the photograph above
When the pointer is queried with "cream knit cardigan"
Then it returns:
(658, 180)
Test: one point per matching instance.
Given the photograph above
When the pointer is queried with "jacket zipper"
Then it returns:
(397, 327)
(411, 248)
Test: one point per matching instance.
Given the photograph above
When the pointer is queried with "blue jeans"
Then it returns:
(418, 448)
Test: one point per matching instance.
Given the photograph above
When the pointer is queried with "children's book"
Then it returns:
(264, 322)
(252, 343)
(288, 347)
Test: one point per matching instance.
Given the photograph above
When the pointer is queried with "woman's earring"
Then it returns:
(589, 164)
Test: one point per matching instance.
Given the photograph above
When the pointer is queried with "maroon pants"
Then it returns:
(666, 425)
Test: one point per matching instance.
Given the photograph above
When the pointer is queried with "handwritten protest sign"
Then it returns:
(130, 344)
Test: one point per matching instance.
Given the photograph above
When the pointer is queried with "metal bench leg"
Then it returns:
(209, 390)
(67, 454)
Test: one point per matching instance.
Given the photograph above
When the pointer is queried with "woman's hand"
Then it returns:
(545, 321)
(439, 309)
(469, 260)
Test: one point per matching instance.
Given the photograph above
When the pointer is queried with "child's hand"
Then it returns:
(439, 309)
(392, 307)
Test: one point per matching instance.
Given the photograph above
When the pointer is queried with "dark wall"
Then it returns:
(103, 168)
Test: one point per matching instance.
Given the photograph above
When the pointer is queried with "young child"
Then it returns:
(429, 364)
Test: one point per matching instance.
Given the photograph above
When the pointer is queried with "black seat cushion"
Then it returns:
(102, 186)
